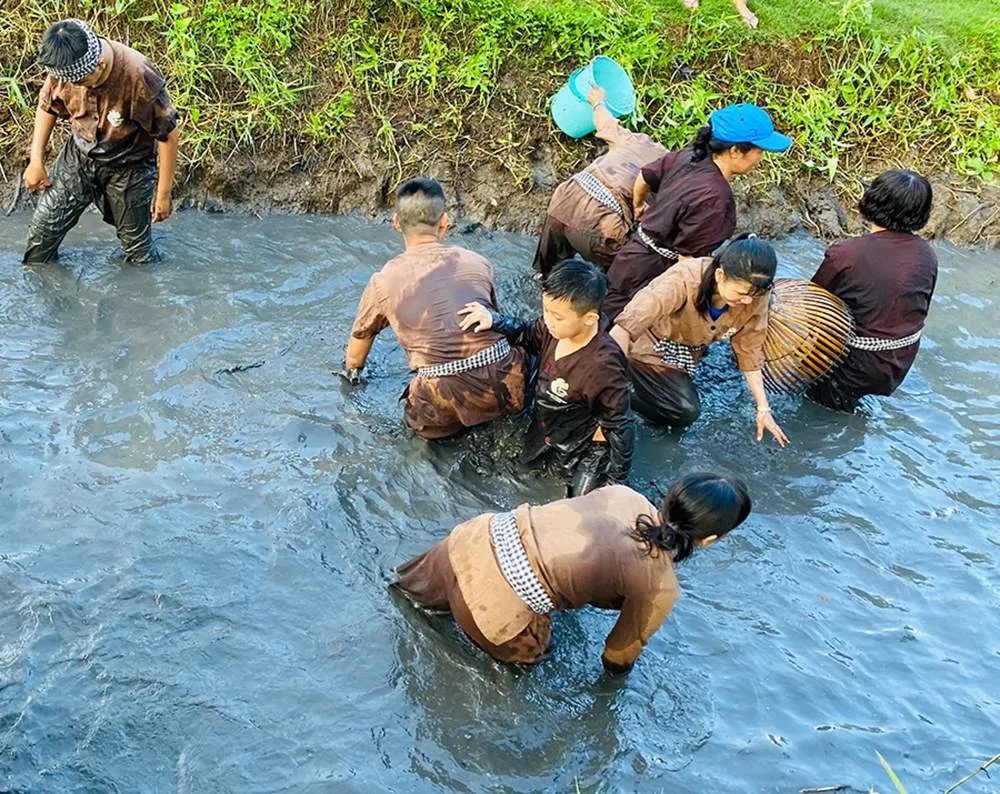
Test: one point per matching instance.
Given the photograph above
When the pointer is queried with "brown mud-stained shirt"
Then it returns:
(627, 153)
(119, 121)
(665, 309)
(582, 553)
(418, 294)
(575, 395)
(887, 280)
(690, 210)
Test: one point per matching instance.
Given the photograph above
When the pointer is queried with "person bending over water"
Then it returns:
(501, 575)
(591, 213)
(684, 200)
(667, 327)
(122, 123)
(886, 277)
(582, 412)
(462, 378)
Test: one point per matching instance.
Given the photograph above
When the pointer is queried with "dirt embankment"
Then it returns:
(480, 192)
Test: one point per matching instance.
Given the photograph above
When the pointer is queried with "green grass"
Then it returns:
(858, 84)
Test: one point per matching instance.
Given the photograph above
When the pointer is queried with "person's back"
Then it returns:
(462, 379)
(423, 288)
(887, 278)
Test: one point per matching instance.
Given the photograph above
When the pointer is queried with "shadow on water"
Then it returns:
(200, 521)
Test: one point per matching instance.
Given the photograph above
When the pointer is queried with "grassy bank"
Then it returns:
(858, 84)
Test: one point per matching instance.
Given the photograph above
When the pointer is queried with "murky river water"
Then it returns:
(193, 561)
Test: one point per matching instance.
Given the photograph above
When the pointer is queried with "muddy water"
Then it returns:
(193, 557)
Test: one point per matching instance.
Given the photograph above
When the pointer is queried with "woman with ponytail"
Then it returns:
(684, 201)
(502, 575)
(667, 327)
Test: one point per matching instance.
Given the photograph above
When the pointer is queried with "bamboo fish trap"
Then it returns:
(808, 330)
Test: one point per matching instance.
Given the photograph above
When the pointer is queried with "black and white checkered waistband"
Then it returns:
(515, 565)
(876, 345)
(651, 244)
(493, 354)
(678, 355)
(599, 192)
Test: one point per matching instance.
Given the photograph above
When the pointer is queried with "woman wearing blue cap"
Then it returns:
(684, 200)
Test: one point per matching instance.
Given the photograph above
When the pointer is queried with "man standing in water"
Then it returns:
(463, 378)
(122, 119)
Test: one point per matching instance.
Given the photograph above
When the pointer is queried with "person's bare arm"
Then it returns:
(36, 178)
(765, 419)
(640, 192)
(357, 352)
(167, 151)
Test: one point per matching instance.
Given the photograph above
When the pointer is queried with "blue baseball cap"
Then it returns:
(747, 123)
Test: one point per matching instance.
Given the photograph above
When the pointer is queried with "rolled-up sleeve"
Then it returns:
(49, 101)
(371, 317)
(152, 109)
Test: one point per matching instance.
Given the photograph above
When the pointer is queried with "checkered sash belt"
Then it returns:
(876, 345)
(599, 192)
(515, 566)
(84, 65)
(678, 355)
(492, 355)
(647, 241)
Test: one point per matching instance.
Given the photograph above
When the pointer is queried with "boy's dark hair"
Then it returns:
(898, 200)
(747, 258)
(419, 202)
(64, 43)
(579, 282)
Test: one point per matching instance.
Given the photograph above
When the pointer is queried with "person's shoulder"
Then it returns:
(142, 70)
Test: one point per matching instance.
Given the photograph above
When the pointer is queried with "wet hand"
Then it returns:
(475, 316)
(162, 208)
(36, 179)
(765, 421)
(352, 376)
(596, 96)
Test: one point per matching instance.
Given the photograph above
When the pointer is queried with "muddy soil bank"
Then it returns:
(483, 193)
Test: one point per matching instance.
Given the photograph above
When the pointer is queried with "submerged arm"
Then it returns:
(641, 616)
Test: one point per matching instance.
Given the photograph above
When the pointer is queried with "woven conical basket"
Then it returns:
(808, 330)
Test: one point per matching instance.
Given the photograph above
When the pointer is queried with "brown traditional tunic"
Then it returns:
(665, 309)
(577, 211)
(582, 553)
(887, 280)
(418, 293)
(118, 122)
(691, 211)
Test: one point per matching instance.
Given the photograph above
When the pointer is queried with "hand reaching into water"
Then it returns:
(352, 376)
(475, 316)
(765, 421)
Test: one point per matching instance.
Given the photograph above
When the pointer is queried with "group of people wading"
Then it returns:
(639, 275)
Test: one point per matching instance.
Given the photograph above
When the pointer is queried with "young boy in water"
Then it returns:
(122, 153)
(582, 411)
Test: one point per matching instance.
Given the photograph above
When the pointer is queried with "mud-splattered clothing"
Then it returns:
(110, 160)
(574, 396)
(418, 294)
(690, 210)
(580, 550)
(578, 222)
(665, 311)
(887, 280)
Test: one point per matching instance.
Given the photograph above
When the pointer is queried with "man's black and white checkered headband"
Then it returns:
(83, 66)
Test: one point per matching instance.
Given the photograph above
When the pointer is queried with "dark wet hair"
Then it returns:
(579, 282)
(419, 202)
(705, 144)
(899, 200)
(698, 506)
(64, 43)
(746, 257)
